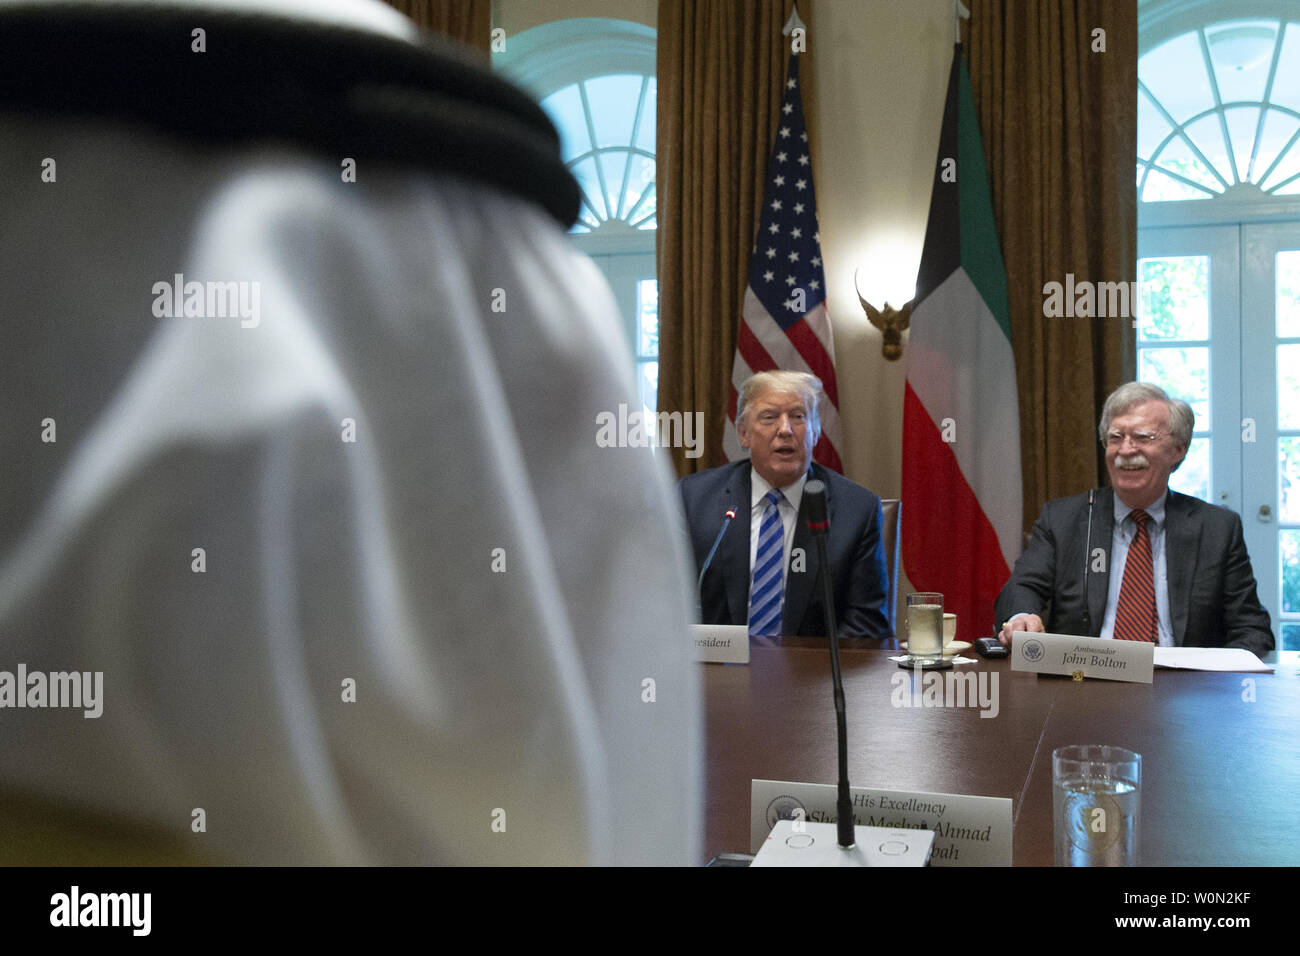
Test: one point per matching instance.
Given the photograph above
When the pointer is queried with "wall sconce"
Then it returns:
(891, 322)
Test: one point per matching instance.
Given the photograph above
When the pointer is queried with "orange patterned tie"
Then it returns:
(1135, 615)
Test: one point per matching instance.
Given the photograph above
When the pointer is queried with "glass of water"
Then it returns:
(1096, 793)
(925, 626)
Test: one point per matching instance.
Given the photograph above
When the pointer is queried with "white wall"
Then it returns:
(880, 74)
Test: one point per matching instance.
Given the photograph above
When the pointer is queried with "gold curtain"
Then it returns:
(469, 21)
(720, 69)
(1059, 118)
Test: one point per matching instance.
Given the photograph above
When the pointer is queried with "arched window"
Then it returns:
(1219, 112)
(607, 124)
(595, 78)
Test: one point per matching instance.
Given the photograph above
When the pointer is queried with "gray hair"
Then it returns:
(806, 386)
(1182, 421)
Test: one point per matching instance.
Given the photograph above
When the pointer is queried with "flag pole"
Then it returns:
(794, 23)
(960, 12)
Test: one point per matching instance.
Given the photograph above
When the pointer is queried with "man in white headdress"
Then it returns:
(300, 378)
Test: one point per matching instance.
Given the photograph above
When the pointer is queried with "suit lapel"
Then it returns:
(1102, 536)
(799, 583)
(733, 555)
(1182, 534)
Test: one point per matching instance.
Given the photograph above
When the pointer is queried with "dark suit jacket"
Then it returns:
(1212, 600)
(856, 553)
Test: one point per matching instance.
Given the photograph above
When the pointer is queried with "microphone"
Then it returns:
(809, 844)
(814, 493)
(1087, 565)
(699, 583)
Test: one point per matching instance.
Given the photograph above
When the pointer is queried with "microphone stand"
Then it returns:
(815, 494)
(699, 582)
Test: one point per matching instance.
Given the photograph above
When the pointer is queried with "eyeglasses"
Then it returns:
(1142, 439)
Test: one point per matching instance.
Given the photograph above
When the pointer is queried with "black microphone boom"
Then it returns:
(1087, 564)
(814, 493)
(699, 584)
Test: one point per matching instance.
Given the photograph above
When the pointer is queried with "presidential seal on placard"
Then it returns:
(1032, 650)
(784, 808)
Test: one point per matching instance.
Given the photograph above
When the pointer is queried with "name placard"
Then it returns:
(721, 643)
(1090, 656)
(968, 831)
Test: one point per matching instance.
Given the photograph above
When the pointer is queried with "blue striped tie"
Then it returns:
(765, 589)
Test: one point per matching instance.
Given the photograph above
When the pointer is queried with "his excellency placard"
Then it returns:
(968, 831)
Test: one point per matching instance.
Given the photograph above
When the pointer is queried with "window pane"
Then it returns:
(614, 167)
(646, 207)
(1178, 157)
(1162, 188)
(1193, 475)
(1278, 130)
(1183, 373)
(1207, 134)
(564, 107)
(647, 302)
(1175, 74)
(613, 101)
(1286, 82)
(585, 173)
(1285, 169)
(1241, 52)
(1174, 300)
(1288, 546)
(645, 132)
(1290, 638)
(647, 376)
(586, 217)
(1288, 293)
(1288, 477)
(1152, 127)
(641, 173)
(1288, 386)
(1242, 123)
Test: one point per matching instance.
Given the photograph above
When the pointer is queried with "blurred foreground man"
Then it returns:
(1137, 561)
(300, 479)
(765, 569)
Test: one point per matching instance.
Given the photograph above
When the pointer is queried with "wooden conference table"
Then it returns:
(1220, 773)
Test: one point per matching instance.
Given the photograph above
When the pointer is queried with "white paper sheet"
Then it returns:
(1234, 659)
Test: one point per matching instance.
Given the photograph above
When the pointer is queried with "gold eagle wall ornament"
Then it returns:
(890, 321)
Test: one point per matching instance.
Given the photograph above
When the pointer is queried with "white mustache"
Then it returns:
(1135, 460)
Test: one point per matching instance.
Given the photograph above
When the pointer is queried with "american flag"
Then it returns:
(784, 324)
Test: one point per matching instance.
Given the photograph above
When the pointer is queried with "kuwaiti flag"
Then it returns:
(961, 516)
